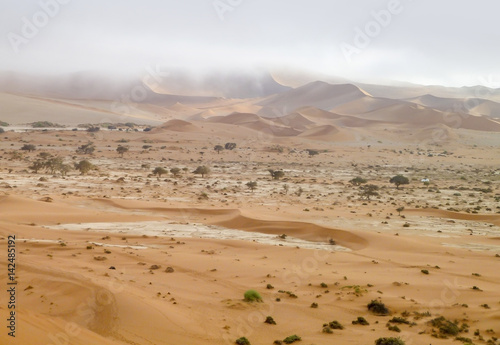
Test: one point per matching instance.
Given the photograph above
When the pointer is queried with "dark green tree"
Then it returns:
(398, 180)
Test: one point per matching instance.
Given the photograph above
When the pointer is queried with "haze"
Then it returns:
(446, 42)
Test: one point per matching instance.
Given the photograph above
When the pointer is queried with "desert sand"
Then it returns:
(119, 255)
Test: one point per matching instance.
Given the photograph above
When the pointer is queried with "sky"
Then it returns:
(446, 42)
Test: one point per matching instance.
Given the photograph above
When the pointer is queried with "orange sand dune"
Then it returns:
(364, 105)
(294, 120)
(26, 211)
(255, 122)
(327, 133)
(234, 219)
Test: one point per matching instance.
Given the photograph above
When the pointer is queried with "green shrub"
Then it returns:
(389, 341)
(397, 319)
(270, 320)
(360, 321)
(252, 296)
(444, 326)
(335, 325)
(242, 341)
(292, 339)
(393, 328)
(377, 307)
(425, 271)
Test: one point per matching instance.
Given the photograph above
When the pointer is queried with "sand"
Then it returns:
(120, 256)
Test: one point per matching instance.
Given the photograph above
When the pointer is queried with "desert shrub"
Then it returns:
(202, 170)
(377, 307)
(360, 321)
(230, 146)
(252, 296)
(467, 340)
(270, 320)
(93, 129)
(1, 130)
(425, 271)
(42, 124)
(397, 319)
(335, 325)
(389, 341)
(269, 287)
(242, 341)
(314, 305)
(445, 327)
(292, 339)
(393, 328)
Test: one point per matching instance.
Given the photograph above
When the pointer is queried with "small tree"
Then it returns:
(28, 147)
(399, 180)
(64, 169)
(158, 171)
(86, 149)
(37, 165)
(175, 171)
(1, 130)
(400, 209)
(252, 185)
(276, 174)
(368, 191)
(121, 150)
(218, 148)
(312, 152)
(93, 129)
(84, 166)
(202, 170)
(358, 181)
(230, 146)
(53, 164)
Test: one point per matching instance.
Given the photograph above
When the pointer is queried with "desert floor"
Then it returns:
(120, 256)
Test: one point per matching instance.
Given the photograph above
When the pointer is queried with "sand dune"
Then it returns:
(473, 106)
(318, 94)
(318, 114)
(255, 122)
(176, 126)
(21, 109)
(294, 120)
(327, 133)
(364, 105)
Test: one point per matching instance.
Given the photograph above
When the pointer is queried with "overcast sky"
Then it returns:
(449, 42)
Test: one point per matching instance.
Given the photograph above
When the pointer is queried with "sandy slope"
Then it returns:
(201, 301)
